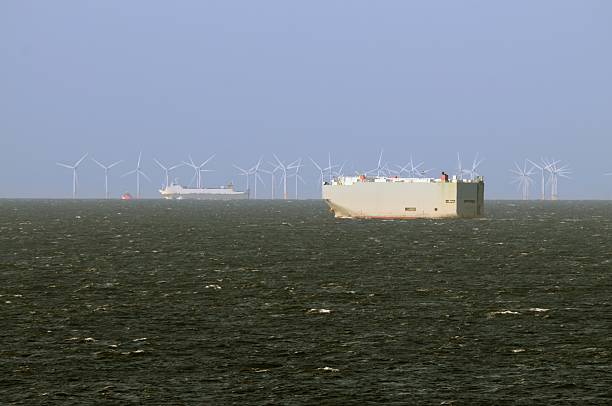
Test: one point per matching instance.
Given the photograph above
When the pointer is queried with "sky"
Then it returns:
(243, 79)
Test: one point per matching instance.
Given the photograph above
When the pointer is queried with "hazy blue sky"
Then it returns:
(509, 79)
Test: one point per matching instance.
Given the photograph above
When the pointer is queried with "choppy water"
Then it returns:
(159, 302)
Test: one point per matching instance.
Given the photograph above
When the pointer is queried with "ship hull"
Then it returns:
(406, 200)
(202, 196)
(178, 192)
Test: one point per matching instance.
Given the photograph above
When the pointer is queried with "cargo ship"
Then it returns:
(178, 192)
(404, 198)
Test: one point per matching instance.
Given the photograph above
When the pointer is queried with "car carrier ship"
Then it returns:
(178, 192)
(404, 198)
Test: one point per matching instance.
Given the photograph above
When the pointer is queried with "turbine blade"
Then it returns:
(81, 160)
(315, 164)
(145, 175)
(159, 164)
(208, 160)
(64, 165)
(99, 164)
(279, 161)
(244, 172)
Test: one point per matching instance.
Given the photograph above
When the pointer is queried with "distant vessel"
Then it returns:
(175, 191)
(404, 198)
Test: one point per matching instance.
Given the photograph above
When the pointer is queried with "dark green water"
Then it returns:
(159, 302)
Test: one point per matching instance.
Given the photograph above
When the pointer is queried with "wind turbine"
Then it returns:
(380, 168)
(106, 168)
(138, 172)
(338, 173)
(167, 170)
(296, 165)
(555, 174)
(542, 167)
(414, 169)
(283, 168)
(255, 172)
(271, 173)
(475, 164)
(244, 172)
(74, 173)
(199, 169)
(523, 178)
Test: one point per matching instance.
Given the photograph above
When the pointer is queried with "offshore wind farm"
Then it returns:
(534, 179)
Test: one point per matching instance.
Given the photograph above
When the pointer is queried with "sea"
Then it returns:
(279, 303)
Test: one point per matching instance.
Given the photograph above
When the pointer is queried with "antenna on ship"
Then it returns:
(138, 172)
(106, 168)
(523, 178)
(74, 173)
(167, 170)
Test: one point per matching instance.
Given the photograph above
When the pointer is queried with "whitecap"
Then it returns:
(538, 309)
(319, 311)
(504, 312)
(328, 369)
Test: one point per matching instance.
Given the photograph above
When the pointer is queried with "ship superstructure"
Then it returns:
(404, 198)
(175, 191)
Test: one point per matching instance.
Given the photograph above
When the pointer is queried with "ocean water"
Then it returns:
(272, 302)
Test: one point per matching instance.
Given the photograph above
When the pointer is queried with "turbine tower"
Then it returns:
(523, 178)
(283, 168)
(167, 170)
(106, 168)
(459, 167)
(74, 173)
(138, 172)
(321, 170)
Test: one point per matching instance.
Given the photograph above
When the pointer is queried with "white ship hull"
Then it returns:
(404, 198)
(178, 192)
